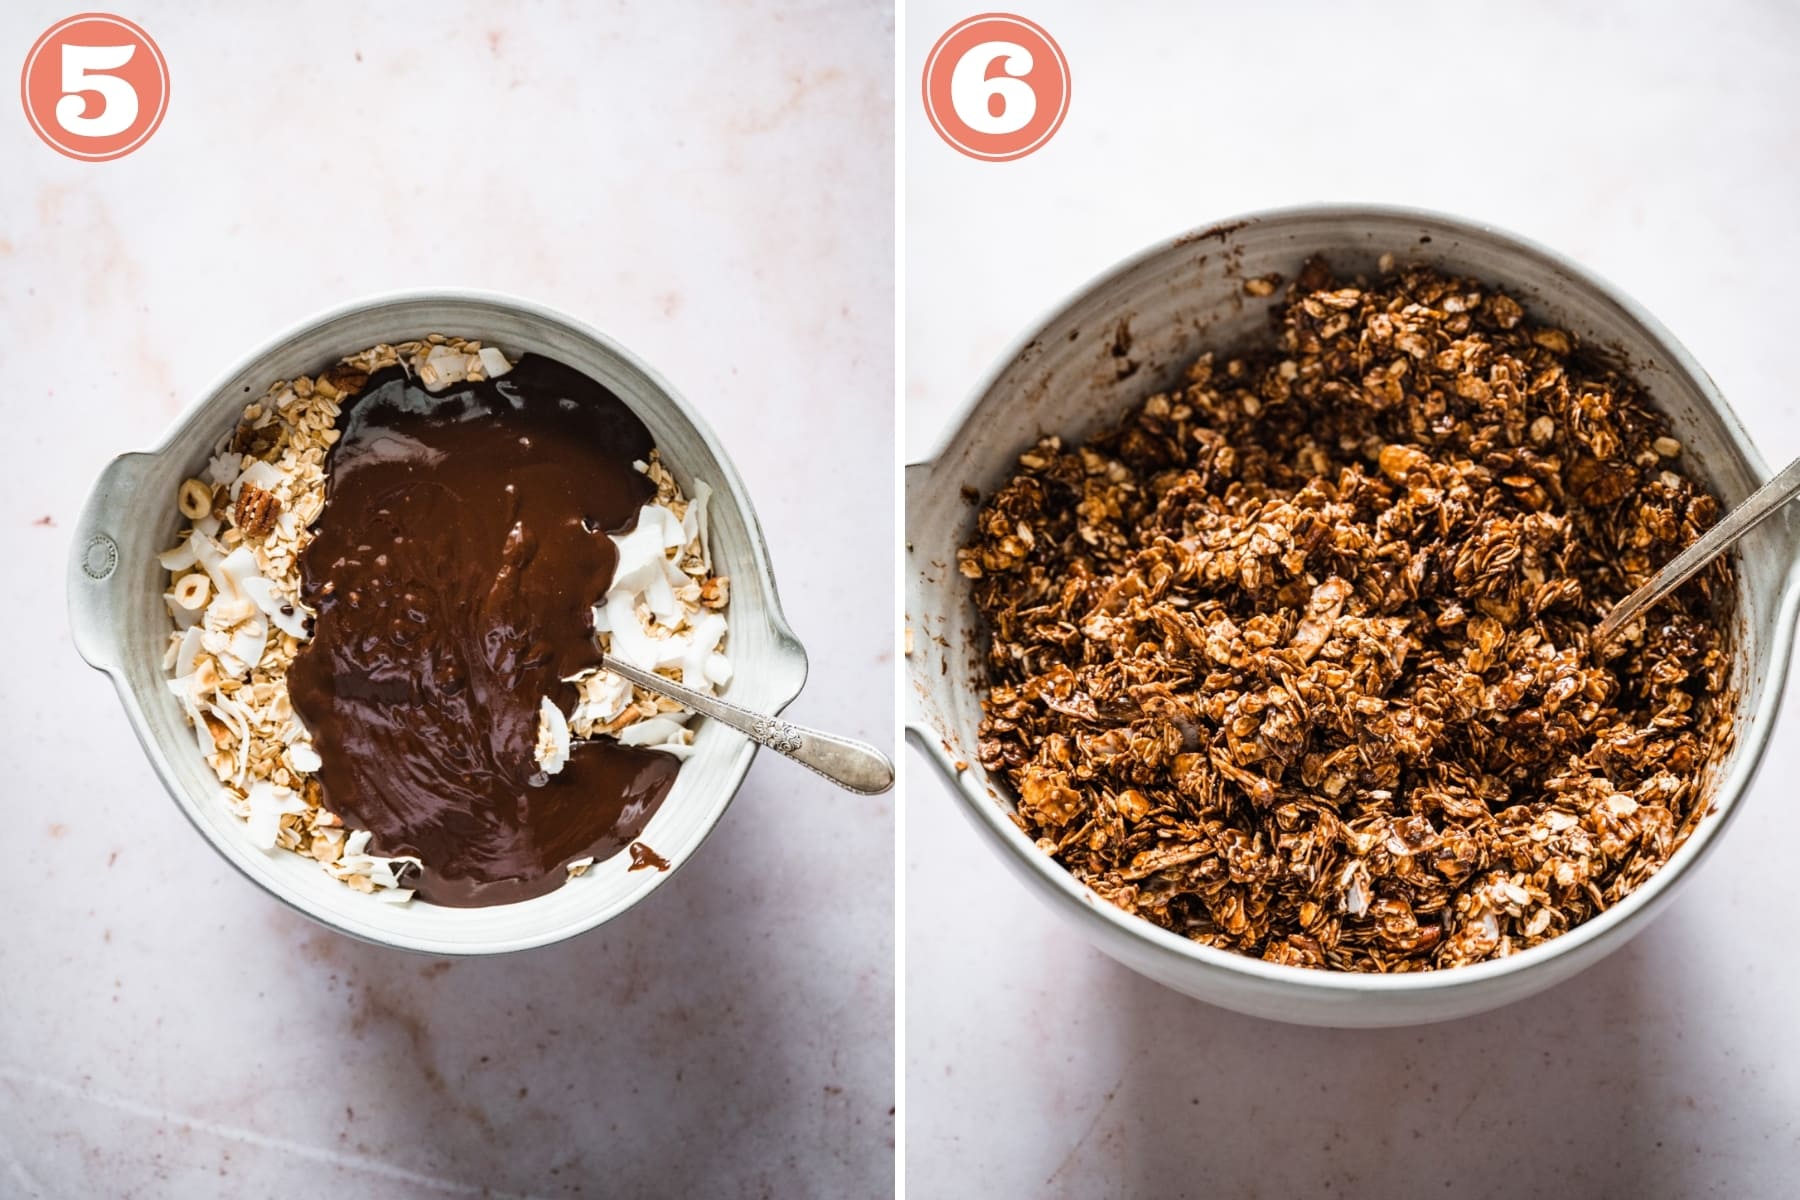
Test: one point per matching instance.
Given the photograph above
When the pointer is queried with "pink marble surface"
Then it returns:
(1655, 143)
(710, 184)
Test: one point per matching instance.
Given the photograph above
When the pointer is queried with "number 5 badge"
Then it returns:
(95, 87)
(996, 87)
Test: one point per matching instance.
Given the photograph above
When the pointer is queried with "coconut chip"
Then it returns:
(656, 616)
(553, 737)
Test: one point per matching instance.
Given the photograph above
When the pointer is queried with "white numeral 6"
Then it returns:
(971, 90)
(119, 100)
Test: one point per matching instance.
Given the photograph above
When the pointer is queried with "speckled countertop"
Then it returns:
(1651, 142)
(711, 185)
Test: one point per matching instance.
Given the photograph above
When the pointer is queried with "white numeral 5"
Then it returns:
(971, 90)
(119, 100)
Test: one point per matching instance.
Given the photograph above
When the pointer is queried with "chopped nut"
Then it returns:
(194, 499)
(345, 379)
(256, 511)
(192, 591)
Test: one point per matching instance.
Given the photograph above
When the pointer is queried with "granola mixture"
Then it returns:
(1295, 660)
(234, 581)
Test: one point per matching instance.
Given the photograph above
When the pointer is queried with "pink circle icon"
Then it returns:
(996, 87)
(95, 87)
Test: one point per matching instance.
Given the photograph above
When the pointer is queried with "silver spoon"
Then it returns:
(1756, 508)
(850, 764)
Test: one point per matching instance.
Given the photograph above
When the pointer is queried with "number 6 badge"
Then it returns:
(996, 87)
(95, 87)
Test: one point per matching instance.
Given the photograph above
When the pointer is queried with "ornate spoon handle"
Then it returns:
(856, 766)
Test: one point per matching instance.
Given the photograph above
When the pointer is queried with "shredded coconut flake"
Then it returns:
(662, 613)
(553, 737)
(268, 804)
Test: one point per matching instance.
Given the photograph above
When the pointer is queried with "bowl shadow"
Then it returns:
(679, 1048)
(1581, 1090)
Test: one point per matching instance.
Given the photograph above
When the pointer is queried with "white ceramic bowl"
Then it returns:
(120, 624)
(1185, 296)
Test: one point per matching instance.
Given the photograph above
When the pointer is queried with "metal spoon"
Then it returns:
(850, 764)
(1756, 508)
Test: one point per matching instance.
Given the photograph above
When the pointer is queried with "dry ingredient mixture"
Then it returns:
(1295, 661)
(240, 581)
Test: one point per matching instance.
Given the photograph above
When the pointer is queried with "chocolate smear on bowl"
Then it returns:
(644, 858)
(463, 542)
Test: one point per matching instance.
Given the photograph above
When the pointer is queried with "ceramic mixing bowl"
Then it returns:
(1158, 310)
(121, 626)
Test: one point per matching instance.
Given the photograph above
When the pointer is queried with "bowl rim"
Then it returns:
(787, 650)
(1062, 889)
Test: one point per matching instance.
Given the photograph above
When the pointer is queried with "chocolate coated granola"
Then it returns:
(1295, 660)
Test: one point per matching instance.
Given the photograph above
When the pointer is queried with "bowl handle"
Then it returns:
(98, 576)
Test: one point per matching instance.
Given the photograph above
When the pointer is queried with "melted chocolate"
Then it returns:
(462, 543)
(643, 856)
